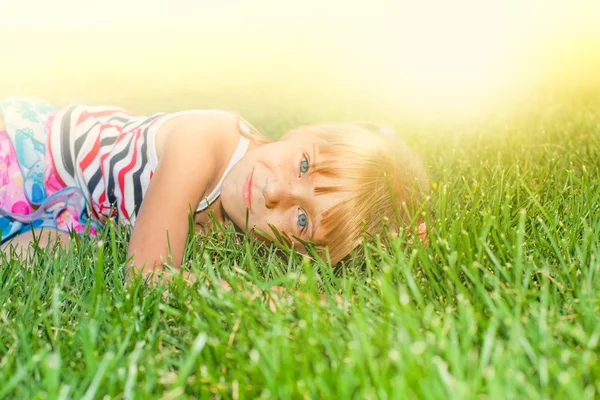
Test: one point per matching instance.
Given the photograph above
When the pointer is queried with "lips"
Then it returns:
(248, 190)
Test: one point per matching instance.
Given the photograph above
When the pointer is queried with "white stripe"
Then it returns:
(55, 148)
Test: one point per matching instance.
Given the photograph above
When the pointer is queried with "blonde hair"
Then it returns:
(250, 132)
(385, 182)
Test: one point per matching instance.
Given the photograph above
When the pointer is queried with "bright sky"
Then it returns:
(446, 56)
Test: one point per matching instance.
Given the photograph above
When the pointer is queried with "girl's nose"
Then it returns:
(275, 192)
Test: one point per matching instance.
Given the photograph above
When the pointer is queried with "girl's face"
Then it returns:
(273, 183)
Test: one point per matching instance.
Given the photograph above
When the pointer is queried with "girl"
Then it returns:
(327, 184)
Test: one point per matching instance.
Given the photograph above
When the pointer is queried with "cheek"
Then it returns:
(229, 206)
(278, 219)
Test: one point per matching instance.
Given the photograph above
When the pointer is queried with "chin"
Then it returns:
(240, 223)
(237, 228)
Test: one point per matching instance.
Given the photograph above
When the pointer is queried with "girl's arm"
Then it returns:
(192, 157)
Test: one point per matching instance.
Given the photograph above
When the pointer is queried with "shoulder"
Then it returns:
(209, 131)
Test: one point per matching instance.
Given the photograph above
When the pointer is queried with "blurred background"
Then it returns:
(413, 62)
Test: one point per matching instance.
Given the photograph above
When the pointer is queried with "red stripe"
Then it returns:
(102, 158)
(91, 155)
(100, 204)
(125, 170)
(85, 115)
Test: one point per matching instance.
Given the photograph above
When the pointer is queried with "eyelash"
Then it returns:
(304, 157)
(300, 213)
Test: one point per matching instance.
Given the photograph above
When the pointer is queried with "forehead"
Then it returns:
(288, 146)
(301, 137)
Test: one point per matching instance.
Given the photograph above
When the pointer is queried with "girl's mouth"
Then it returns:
(248, 190)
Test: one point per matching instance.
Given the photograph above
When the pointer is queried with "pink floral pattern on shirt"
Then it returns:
(4, 164)
(12, 190)
(12, 194)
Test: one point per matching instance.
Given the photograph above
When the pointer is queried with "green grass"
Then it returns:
(503, 303)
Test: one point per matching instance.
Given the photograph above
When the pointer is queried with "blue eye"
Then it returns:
(303, 166)
(302, 219)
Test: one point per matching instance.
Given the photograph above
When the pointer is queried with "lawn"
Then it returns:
(503, 303)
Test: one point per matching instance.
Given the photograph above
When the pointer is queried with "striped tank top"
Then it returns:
(110, 154)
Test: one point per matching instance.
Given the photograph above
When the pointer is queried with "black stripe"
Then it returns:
(93, 181)
(137, 184)
(110, 192)
(79, 141)
(118, 118)
(108, 141)
(65, 141)
(142, 123)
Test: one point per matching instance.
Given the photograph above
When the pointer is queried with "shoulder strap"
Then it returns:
(239, 153)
